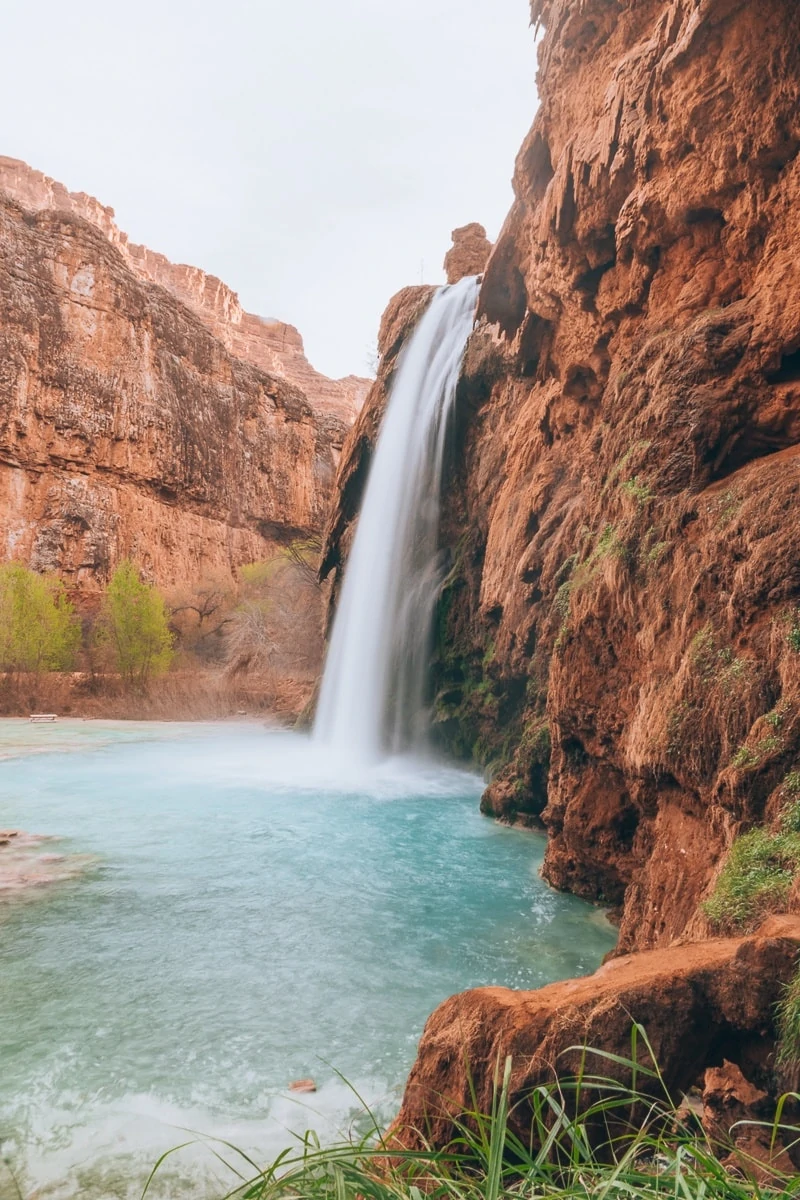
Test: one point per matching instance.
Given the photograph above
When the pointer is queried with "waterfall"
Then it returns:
(373, 688)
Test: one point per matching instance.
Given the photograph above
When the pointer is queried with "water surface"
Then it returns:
(253, 912)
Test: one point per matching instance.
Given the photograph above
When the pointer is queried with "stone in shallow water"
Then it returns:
(22, 866)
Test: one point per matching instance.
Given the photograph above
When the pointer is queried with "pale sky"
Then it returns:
(314, 155)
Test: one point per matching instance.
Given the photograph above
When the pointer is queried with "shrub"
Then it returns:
(276, 630)
(133, 625)
(755, 880)
(38, 630)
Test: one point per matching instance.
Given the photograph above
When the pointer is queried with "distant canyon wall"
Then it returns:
(618, 635)
(142, 412)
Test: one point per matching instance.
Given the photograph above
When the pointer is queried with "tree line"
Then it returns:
(269, 619)
(40, 631)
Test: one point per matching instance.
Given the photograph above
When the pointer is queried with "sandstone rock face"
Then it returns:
(133, 419)
(705, 1008)
(619, 633)
(469, 253)
(272, 345)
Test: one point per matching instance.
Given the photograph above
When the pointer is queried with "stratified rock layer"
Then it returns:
(141, 419)
(619, 635)
(273, 346)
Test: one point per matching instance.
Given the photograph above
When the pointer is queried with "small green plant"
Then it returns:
(743, 758)
(790, 819)
(655, 553)
(38, 631)
(638, 448)
(793, 635)
(751, 756)
(791, 784)
(755, 880)
(133, 626)
(609, 544)
(638, 490)
(728, 504)
(716, 664)
(775, 718)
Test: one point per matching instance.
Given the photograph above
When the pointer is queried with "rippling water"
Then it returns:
(254, 911)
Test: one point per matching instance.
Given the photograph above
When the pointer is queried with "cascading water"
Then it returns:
(372, 696)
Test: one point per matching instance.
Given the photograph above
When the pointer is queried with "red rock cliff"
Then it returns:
(618, 635)
(141, 411)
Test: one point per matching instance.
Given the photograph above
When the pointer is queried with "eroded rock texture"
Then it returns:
(141, 412)
(469, 253)
(620, 619)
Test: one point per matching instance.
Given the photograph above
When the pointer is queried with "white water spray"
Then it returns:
(372, 696)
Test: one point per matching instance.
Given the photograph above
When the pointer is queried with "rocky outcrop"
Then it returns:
(141, 412)
(619, 635)
(469, 253)
(707, 1010)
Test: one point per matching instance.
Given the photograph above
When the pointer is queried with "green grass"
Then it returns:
(755, 880)
(590, 1136)
(787, 1057)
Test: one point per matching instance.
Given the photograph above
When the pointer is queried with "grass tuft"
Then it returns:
(755, 880)
(787, 1056)
(590, 1136)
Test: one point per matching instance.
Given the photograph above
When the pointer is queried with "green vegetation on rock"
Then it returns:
(755, 880)
(787, 1057)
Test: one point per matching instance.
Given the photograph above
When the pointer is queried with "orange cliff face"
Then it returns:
(142, 412)
(617, 639)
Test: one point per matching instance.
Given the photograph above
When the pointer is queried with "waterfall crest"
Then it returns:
(372, 695)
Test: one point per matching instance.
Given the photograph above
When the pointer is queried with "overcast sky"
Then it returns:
(315, 155)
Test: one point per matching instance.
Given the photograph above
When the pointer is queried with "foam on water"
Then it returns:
(257, 912)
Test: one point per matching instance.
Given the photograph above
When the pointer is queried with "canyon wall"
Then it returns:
(618, 635)
(142, 412)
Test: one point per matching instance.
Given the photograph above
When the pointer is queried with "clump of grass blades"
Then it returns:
(787, 1056)
(755, 880)
(591, 1136)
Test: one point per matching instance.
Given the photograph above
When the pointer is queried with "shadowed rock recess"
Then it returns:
(618, 637)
